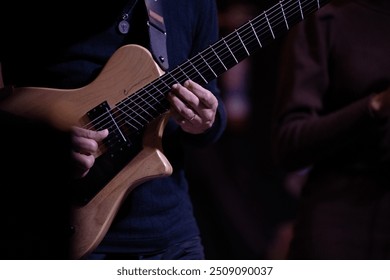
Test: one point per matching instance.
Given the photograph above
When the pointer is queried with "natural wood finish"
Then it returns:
(129, 69)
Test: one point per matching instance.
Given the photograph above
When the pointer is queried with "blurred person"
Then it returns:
(332, 120)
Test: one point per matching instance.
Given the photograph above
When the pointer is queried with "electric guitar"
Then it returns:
(129, 98)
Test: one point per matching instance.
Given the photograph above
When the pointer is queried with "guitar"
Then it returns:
(136, 111)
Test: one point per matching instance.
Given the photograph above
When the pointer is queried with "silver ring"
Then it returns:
(193, 117)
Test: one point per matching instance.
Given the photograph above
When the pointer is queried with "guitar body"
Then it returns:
(129, 69)
(132, 72)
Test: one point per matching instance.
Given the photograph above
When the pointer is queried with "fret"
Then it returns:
(269, 25)
(185, 74)
(277, 20)
(214, 56)
(142, 109)
(155, 99)
(129, 123)
(222, 55)
(175, 79)
(257, 37)
(196, 69)
(230, 51)
(263, 29)
(154, 104)
(118, 130)
(284, 15)
(143, 106)
(132, 110)
(238, 34)
(220, 60)
(161, 94)
(178, 76)
(208, 65)
(300, 8)
(127, 110)
(293, 12)
(138, 114)
(165, 83)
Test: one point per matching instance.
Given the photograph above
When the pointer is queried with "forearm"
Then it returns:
(302, 139)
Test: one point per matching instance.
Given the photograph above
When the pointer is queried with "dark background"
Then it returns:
(245, 206)
(243, 203)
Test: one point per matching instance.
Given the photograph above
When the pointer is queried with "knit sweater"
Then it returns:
(332, 64)
(158, 213)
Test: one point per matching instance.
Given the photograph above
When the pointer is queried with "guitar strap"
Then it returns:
(157, 32)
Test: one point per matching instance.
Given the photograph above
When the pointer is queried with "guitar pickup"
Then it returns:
(118, 143)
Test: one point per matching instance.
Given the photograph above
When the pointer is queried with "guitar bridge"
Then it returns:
(103, 118)
(121, 146)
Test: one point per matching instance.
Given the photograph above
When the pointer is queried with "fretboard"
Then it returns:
(149, 102)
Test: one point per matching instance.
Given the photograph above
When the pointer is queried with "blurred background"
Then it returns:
(245, 205)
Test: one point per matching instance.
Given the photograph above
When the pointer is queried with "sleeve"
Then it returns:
(304, 131)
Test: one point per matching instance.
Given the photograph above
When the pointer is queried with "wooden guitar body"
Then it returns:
(129, 98)
(128, 70)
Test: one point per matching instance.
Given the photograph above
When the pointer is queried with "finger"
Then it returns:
(203, 95)
(83, 163)
(84, 145)
(208, 103)
(185, 95)
(180, 109)
(90, 134)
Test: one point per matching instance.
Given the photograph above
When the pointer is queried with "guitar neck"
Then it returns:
(246, 40)
(220, 56)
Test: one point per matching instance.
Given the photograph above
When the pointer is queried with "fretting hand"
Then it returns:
(193, 107)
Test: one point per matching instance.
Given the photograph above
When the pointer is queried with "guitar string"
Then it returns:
(216, 61)
(240, 47)
(194, 73)
(146, 101)
(140, 115)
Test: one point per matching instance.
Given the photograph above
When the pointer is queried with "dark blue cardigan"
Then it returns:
(157, 213)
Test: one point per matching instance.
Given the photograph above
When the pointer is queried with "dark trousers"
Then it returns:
(191, 249)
